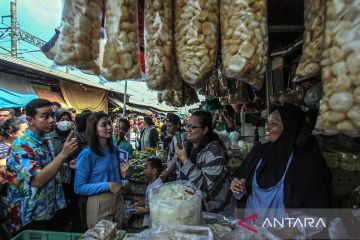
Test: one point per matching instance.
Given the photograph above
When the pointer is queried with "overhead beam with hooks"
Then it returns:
(17, 33)
(29, 38)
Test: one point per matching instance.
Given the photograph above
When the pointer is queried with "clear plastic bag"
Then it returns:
(184, 96)
(242, 233)
(313, 96)
(159, 44)
(244, 40)
(181, 95)
(190, 95)
(121, 59)
(103, 230)
(196, 27)
(177, 232)
(240, 95)
(314, 19)
(216, 86)
(219, 224)
(340, 105)
(80, 35)
(212, 88)
(175, 203)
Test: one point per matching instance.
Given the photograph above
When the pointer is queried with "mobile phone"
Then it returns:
(178, 139)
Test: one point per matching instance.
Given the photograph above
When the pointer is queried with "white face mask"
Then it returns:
(65, 126)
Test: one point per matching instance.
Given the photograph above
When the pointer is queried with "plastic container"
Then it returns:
(42, 235)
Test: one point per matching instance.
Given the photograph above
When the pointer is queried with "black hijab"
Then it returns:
(275, 155)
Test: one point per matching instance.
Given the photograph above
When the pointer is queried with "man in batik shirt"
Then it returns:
(34, 187)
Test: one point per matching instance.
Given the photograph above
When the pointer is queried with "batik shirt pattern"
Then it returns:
(29, 154)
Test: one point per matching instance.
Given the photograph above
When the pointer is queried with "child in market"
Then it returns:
(152, 171)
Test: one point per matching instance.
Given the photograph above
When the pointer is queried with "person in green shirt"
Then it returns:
(122, 141)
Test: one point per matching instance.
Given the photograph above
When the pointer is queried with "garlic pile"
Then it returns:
(80, 35)
(314, 19)
(340, 106)
(244, 40)
(159, 45)
(196, 26)
(122, 57)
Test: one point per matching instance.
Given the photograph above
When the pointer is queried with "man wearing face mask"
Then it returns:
(64, 125)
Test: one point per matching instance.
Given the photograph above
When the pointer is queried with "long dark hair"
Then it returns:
(91, 133)
(205, 120)
(149, 121)
(122, 133)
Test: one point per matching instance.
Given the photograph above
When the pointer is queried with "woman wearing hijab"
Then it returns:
(202, 161)
(278, 175)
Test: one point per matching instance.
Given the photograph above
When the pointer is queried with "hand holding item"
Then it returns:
(124, 167)
(115, 187)
(237, 185)
(181, 154)
(141, 211)
(70, 145)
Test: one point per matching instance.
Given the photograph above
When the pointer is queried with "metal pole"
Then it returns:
(13, 29)
(124, 108)
(268, 83)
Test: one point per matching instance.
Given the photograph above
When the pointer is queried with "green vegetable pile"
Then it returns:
(137, 164)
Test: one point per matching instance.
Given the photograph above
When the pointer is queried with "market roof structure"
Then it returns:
(27, 69)
(12, 65)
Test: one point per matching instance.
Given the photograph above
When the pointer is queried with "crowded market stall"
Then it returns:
(247, 64)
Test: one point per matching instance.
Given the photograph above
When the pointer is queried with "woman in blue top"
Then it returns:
(98, 173)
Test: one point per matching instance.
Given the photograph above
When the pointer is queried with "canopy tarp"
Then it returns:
(83, 97)
(51, 96)
(15, 91)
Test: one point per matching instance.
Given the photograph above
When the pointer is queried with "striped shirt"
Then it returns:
(210, 176)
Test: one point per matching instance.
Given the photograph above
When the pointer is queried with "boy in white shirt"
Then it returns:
(152, 172)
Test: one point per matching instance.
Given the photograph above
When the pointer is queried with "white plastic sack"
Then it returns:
(175, 203)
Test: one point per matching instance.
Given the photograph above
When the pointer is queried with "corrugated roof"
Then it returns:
(59, 74)
(109, 86)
